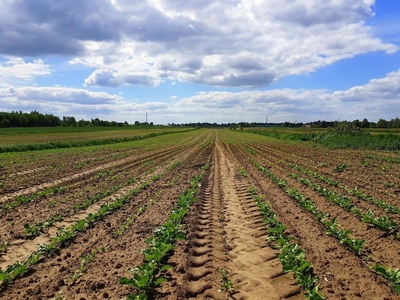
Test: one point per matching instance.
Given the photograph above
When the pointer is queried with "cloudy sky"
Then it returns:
(201, 60)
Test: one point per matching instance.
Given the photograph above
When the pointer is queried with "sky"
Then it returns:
(192, 61)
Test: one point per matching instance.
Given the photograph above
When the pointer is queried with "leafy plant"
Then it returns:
(148, 274)
(389, 274)
(341, 168)
(226, 283)
(243, 172)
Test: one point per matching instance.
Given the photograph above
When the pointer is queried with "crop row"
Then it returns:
(332, 226)
(292, 257)
(149, 274)
(384, 223)
(335, 164)
(390, 208)
(66, 234)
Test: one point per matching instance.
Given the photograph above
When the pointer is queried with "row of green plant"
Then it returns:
(39, 227)
(389, 208)
(148, 275)
(84, 260)
(65, 235)
(333, 228)
(310, 206)
(390, 159)
(26, 199)
(393, 275)
(292, 257)
(129, 221)
(327, 180)
(336, 138)
(384, 223)
(71, 144)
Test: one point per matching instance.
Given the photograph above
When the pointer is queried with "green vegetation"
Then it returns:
(347, 136)
(392, 275)
(82, 143)
(333, 227)
(226, 283)
(148, 275)
(66, 234)
(84, 260)
(343, 135)
(293, 258)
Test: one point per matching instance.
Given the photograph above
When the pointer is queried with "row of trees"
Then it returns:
(33, 119)
(382, 123)
(36, 119)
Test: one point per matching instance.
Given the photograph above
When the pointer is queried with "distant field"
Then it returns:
(39, 135)
(336, 137)
(303, 130)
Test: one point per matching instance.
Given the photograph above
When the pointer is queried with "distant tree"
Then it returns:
(382, 123)
(365, 123)
(356, 123)
(5, 123)
(23, 121)
(395, 123)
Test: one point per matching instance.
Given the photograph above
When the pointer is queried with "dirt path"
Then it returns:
(228, 256)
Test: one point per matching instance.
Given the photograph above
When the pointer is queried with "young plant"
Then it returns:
(226, 283)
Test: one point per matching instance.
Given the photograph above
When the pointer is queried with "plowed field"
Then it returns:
(228, 253)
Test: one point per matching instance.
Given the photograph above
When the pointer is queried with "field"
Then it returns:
(200, 214)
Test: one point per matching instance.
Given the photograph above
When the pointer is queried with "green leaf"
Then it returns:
(165, 267)
(125, 280)
(159, 281)
(396, 288)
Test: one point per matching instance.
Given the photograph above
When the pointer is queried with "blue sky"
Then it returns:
(201, 61)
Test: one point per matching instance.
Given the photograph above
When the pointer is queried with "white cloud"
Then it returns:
(222, 43)
(109, 78)
(376, 99)
(16, 69)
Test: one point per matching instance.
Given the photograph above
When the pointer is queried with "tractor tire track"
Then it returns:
(228, 237)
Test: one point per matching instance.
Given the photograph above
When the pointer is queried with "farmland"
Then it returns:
(199, 214)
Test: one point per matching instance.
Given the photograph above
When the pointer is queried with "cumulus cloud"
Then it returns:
(221, 43)
(56, 94)
(31, 28)
(17, 68)
(109, 78)
(376, 99)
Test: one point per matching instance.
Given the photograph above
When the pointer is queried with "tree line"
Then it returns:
(382, 123)
(36, 119)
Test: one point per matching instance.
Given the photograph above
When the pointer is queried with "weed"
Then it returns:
(226, 283)
(243, 172)
(341, 168)
(3, 247)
